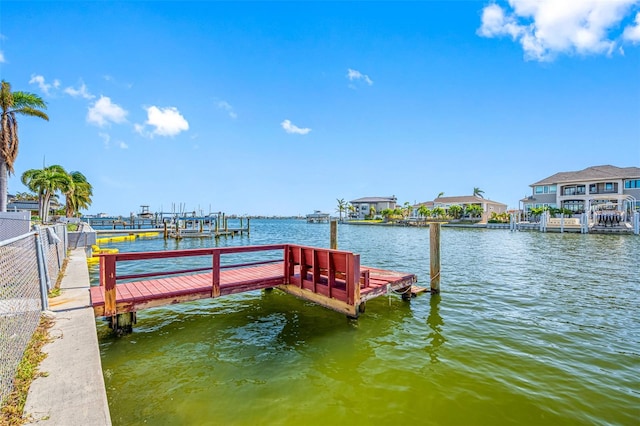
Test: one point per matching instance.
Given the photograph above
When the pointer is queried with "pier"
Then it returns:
(173, 225)
(331, 278)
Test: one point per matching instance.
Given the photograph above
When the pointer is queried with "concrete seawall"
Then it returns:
(72, 392)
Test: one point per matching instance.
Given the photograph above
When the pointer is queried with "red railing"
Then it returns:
(333, 274)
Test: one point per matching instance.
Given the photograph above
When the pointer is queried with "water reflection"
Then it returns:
(435, 322)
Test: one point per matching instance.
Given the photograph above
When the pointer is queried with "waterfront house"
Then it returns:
(367, 205)
(488, 206)
(582, 190)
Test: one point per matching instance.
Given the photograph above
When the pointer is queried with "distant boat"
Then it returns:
(318, 217)
(145, 213)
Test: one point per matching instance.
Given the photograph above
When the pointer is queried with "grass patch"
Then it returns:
(13, 406)
(56, 290)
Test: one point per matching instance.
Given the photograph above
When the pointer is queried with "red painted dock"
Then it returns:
(331, 278)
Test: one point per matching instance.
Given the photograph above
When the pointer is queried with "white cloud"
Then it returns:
(224, 105)
(102, 112)
(632, 32)
(106, 139)
(80, 92)
(546, 28)
(165, 121)
(354, 75)
(2, 60)
(292, 128)
(42, 84)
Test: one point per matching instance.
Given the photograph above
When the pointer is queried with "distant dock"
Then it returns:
(172, 226)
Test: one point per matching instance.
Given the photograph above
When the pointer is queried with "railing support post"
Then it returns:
(215, 291)
(108, 280)
(434, 256)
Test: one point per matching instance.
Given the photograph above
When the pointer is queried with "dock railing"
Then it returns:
(329, 277)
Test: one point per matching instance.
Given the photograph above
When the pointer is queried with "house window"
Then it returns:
(631, 184)
(609, 187)
(569, 190)
(593, 188)
(577, 206)
(539, 189)
(580, 189)
(552, 189)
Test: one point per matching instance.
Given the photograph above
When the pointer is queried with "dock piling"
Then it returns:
(434, 256)
(334, 235)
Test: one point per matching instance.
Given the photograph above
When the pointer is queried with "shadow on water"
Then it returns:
(436, 323)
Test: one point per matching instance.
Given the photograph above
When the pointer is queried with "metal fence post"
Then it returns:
(43, 274)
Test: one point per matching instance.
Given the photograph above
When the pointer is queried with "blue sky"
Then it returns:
(280, 108)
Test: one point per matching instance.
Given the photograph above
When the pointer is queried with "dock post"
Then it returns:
(334, 235)
(248, 227)
(166, 231)
(434, 256)
(241, 227)
(226, 224)
(123, 323)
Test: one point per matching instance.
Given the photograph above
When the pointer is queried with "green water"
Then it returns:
(530, 329)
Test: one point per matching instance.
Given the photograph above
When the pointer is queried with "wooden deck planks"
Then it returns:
(136, 295)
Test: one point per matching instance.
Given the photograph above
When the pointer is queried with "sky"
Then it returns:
(282, 108)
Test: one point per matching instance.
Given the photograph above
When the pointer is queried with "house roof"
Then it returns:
(463, 199)
(391, 199)
(592, 173)
(22, 205)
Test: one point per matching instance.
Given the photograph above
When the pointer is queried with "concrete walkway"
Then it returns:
(73, 392)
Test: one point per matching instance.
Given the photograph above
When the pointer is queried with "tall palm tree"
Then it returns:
(342, 206)
(11, 104)
(477, 192)
(440, 194)
(46, 182)
(78, 195)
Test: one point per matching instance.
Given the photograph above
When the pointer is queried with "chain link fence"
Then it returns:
(29, 267)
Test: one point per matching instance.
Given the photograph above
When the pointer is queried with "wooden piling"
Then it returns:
(434, 256)
(334, 235)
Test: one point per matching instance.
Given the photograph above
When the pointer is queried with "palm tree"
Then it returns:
(406, 210)
(477, 192)
(342, 206)
(352, 210)
(438, 212)
(13, 103)
(78, 196)
(424, 211)
(440, 194)
(474, 210)
(455, 211)
(46, 182)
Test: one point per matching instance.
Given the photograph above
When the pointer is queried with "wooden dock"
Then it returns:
(331, 278)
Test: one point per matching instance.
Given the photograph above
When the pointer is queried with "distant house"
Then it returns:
(365, 206)
(488, 206)
(581, 190)
(32, 206)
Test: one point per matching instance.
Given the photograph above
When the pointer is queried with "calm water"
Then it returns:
(530, 328)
